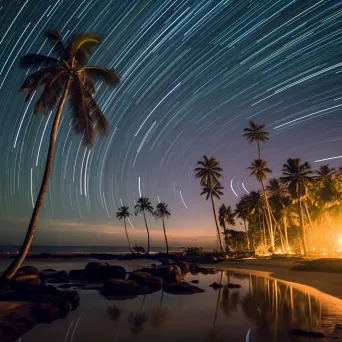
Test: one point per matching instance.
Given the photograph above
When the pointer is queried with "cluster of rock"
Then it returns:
(27, 301)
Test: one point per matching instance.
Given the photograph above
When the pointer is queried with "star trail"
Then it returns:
(193, 73)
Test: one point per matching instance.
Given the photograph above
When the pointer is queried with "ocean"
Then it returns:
(82, 249)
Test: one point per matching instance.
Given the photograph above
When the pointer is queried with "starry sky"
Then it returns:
(194, 72)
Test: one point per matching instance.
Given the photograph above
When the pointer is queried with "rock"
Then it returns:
(194, 281)
(216, 286)
(65, 286)
(27, 279)
(93, 286)
(94, 265)
(56, 277)
(121, 287)
(212, 270)
(167, 262)
(77, 275)
(73, 297)
(65, 307)
(145, 279)
(308, 333)
(233, 286)
(28, 270)
(48, 270)
(104, 273)
(184, 266)
(181, 288)
(167, 273)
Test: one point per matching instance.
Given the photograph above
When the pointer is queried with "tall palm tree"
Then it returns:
(242, 213)
(256, 133)
(297, 176)
(144, 206)
(65, 77)
(259, 170)
(161, 212)
(209, 172)
(123, 213)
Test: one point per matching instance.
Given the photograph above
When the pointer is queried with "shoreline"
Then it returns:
(320, 284)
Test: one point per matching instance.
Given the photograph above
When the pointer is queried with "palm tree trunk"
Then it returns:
(248, 244)
(259, 153)
(129, 244)
(310, 222)
(12, 269)
(217, 227)
(148, 235)
(269, 216)
(302, 225)
(285, 233)
(167, 245)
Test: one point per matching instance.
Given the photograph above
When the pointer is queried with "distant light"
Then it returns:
(320, 160)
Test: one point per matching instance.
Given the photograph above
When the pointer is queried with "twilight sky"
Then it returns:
(193, 73)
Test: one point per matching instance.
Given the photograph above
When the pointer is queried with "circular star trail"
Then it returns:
(193, 74)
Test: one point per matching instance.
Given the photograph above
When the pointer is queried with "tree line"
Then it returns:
(296, 212)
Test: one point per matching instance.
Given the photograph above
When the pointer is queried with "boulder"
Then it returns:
(233, 286)
(184, 266)
(195, 281)
(104, 273)
(28, 270)
(167, 273)
(145, 279)
(26, 279)
(77, 275)
(216, 286)
(47, 312)
(94, 265)
(56, 277)
(48, 270)
(181, 288)
(122, 287)
(65, 307)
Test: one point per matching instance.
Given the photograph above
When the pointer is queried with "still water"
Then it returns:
(261, 310)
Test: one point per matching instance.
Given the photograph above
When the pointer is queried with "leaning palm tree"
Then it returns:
(65, 77)
(297, 176)
(209, 172)
(144, 206)
(123, 213)
(256, 133)
(259, 170)
(161, 212)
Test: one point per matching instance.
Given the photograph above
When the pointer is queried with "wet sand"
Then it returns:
(317, 283)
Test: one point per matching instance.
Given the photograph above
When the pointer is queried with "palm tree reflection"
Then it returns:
(159, 315)
(136, 320)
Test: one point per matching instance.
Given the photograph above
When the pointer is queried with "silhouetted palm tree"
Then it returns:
(297, 176)
(210, 192)
(144, 206)
(123, 213)
(161, 212)
(209, 172)
(259, 170)
(66, 76)
(226, 216)
(256, 133)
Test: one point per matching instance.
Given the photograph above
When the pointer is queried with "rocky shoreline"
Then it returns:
(34, 296)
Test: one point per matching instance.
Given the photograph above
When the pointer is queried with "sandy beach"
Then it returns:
(317, 283)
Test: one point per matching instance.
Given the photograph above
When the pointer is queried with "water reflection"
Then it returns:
(267, 308)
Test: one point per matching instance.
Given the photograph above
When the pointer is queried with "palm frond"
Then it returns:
(54, 36)
(35, 60)
(109, 76)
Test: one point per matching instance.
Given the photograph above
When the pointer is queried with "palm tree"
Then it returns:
(210, 192)
(241, 212)
(226, 216)
(297, 176)
(209, 173)
(123, 213)
(65, 77)
(259, 170)
(161, 212)
(144, 206)
(256, 133)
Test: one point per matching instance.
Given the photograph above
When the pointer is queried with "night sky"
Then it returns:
(193, 74)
